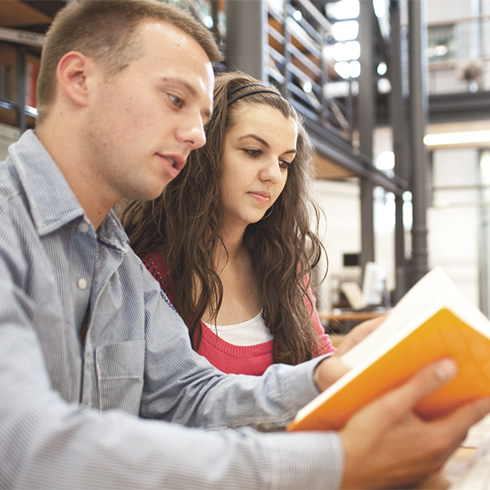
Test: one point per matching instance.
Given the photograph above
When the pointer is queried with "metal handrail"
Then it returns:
(465, 67)
(302, 60)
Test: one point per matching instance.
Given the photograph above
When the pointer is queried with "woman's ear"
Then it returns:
(73, 72)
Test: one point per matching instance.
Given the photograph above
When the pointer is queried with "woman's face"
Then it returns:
(257, 153)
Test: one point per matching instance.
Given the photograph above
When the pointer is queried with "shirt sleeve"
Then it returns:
(209, 398)
(48, 443)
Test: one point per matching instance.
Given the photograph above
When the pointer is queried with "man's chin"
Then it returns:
(150, 194)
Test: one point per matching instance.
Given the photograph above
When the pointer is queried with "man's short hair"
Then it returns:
(103, 30)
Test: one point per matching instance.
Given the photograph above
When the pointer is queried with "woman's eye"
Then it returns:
(284, 164)
(176, 101)
(252, 153)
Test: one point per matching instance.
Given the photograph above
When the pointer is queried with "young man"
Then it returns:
(90, 347)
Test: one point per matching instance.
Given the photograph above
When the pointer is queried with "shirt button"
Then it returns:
(82, 283)
(83, 227)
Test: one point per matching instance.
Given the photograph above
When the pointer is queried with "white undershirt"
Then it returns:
(251, 332)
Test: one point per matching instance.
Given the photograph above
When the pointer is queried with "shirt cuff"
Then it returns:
(299, 388)
(306, 460)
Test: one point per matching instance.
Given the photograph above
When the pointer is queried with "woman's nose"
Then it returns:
(271, 171)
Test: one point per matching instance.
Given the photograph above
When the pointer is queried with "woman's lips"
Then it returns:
(262, 197)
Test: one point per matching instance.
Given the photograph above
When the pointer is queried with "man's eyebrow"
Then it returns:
(192, 90)
(263, 142)
(181, 81)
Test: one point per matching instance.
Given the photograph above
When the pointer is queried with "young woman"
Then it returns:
(230, 238)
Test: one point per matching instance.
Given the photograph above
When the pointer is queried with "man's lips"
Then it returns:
(174, 163)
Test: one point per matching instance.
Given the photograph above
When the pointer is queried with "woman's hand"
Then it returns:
(358, 333)
(328, 371)
(332, 368)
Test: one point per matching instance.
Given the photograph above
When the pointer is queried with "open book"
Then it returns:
(432, 321)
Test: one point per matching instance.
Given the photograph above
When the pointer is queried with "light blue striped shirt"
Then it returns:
(78, 417)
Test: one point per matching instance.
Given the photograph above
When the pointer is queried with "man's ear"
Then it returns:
(73, 72)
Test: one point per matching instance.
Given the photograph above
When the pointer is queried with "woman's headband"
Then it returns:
(262, 90)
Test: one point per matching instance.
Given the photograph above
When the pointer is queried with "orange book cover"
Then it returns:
(434, 320)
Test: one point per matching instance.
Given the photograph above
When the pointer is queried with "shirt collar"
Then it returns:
(51, 200)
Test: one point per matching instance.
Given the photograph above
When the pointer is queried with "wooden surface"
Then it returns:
(359, 316)
(343, 322)
(17, 14)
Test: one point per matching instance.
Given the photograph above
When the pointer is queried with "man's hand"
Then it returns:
(387, 446)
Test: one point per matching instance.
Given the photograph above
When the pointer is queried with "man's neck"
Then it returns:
(68, 154)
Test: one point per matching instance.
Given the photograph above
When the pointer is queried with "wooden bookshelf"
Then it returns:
(17, 14)
(23, 24)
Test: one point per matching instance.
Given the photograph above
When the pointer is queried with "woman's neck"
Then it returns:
(234, 246)
(241, 300)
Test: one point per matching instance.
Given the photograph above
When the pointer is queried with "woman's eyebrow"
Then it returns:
(255, 137)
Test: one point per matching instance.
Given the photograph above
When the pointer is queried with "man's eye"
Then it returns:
(176, 101)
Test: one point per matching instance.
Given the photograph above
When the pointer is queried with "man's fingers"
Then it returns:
(470, 413)
(425, 382)
(454, 427)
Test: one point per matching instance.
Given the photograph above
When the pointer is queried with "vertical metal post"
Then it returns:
(366, 126)
(483, 235)
(246, 25)
(401, 148)
(418, 122)
(287, 53)
(21, 90)
(215, 9)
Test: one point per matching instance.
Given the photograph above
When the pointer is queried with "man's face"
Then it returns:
(144, 121)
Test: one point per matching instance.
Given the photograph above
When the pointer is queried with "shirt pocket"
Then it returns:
(120, 370)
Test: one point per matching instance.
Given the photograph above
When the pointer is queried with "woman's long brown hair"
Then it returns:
(185, 223)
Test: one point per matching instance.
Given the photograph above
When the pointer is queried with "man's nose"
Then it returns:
(193, 133)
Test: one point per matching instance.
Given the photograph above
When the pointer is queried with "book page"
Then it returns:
(477, 432)
(435, 289)
(438, 333)
(434, 319)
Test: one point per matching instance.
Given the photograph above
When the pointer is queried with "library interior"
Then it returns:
(395, 95)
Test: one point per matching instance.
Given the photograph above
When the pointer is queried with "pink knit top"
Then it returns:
(230, 358)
